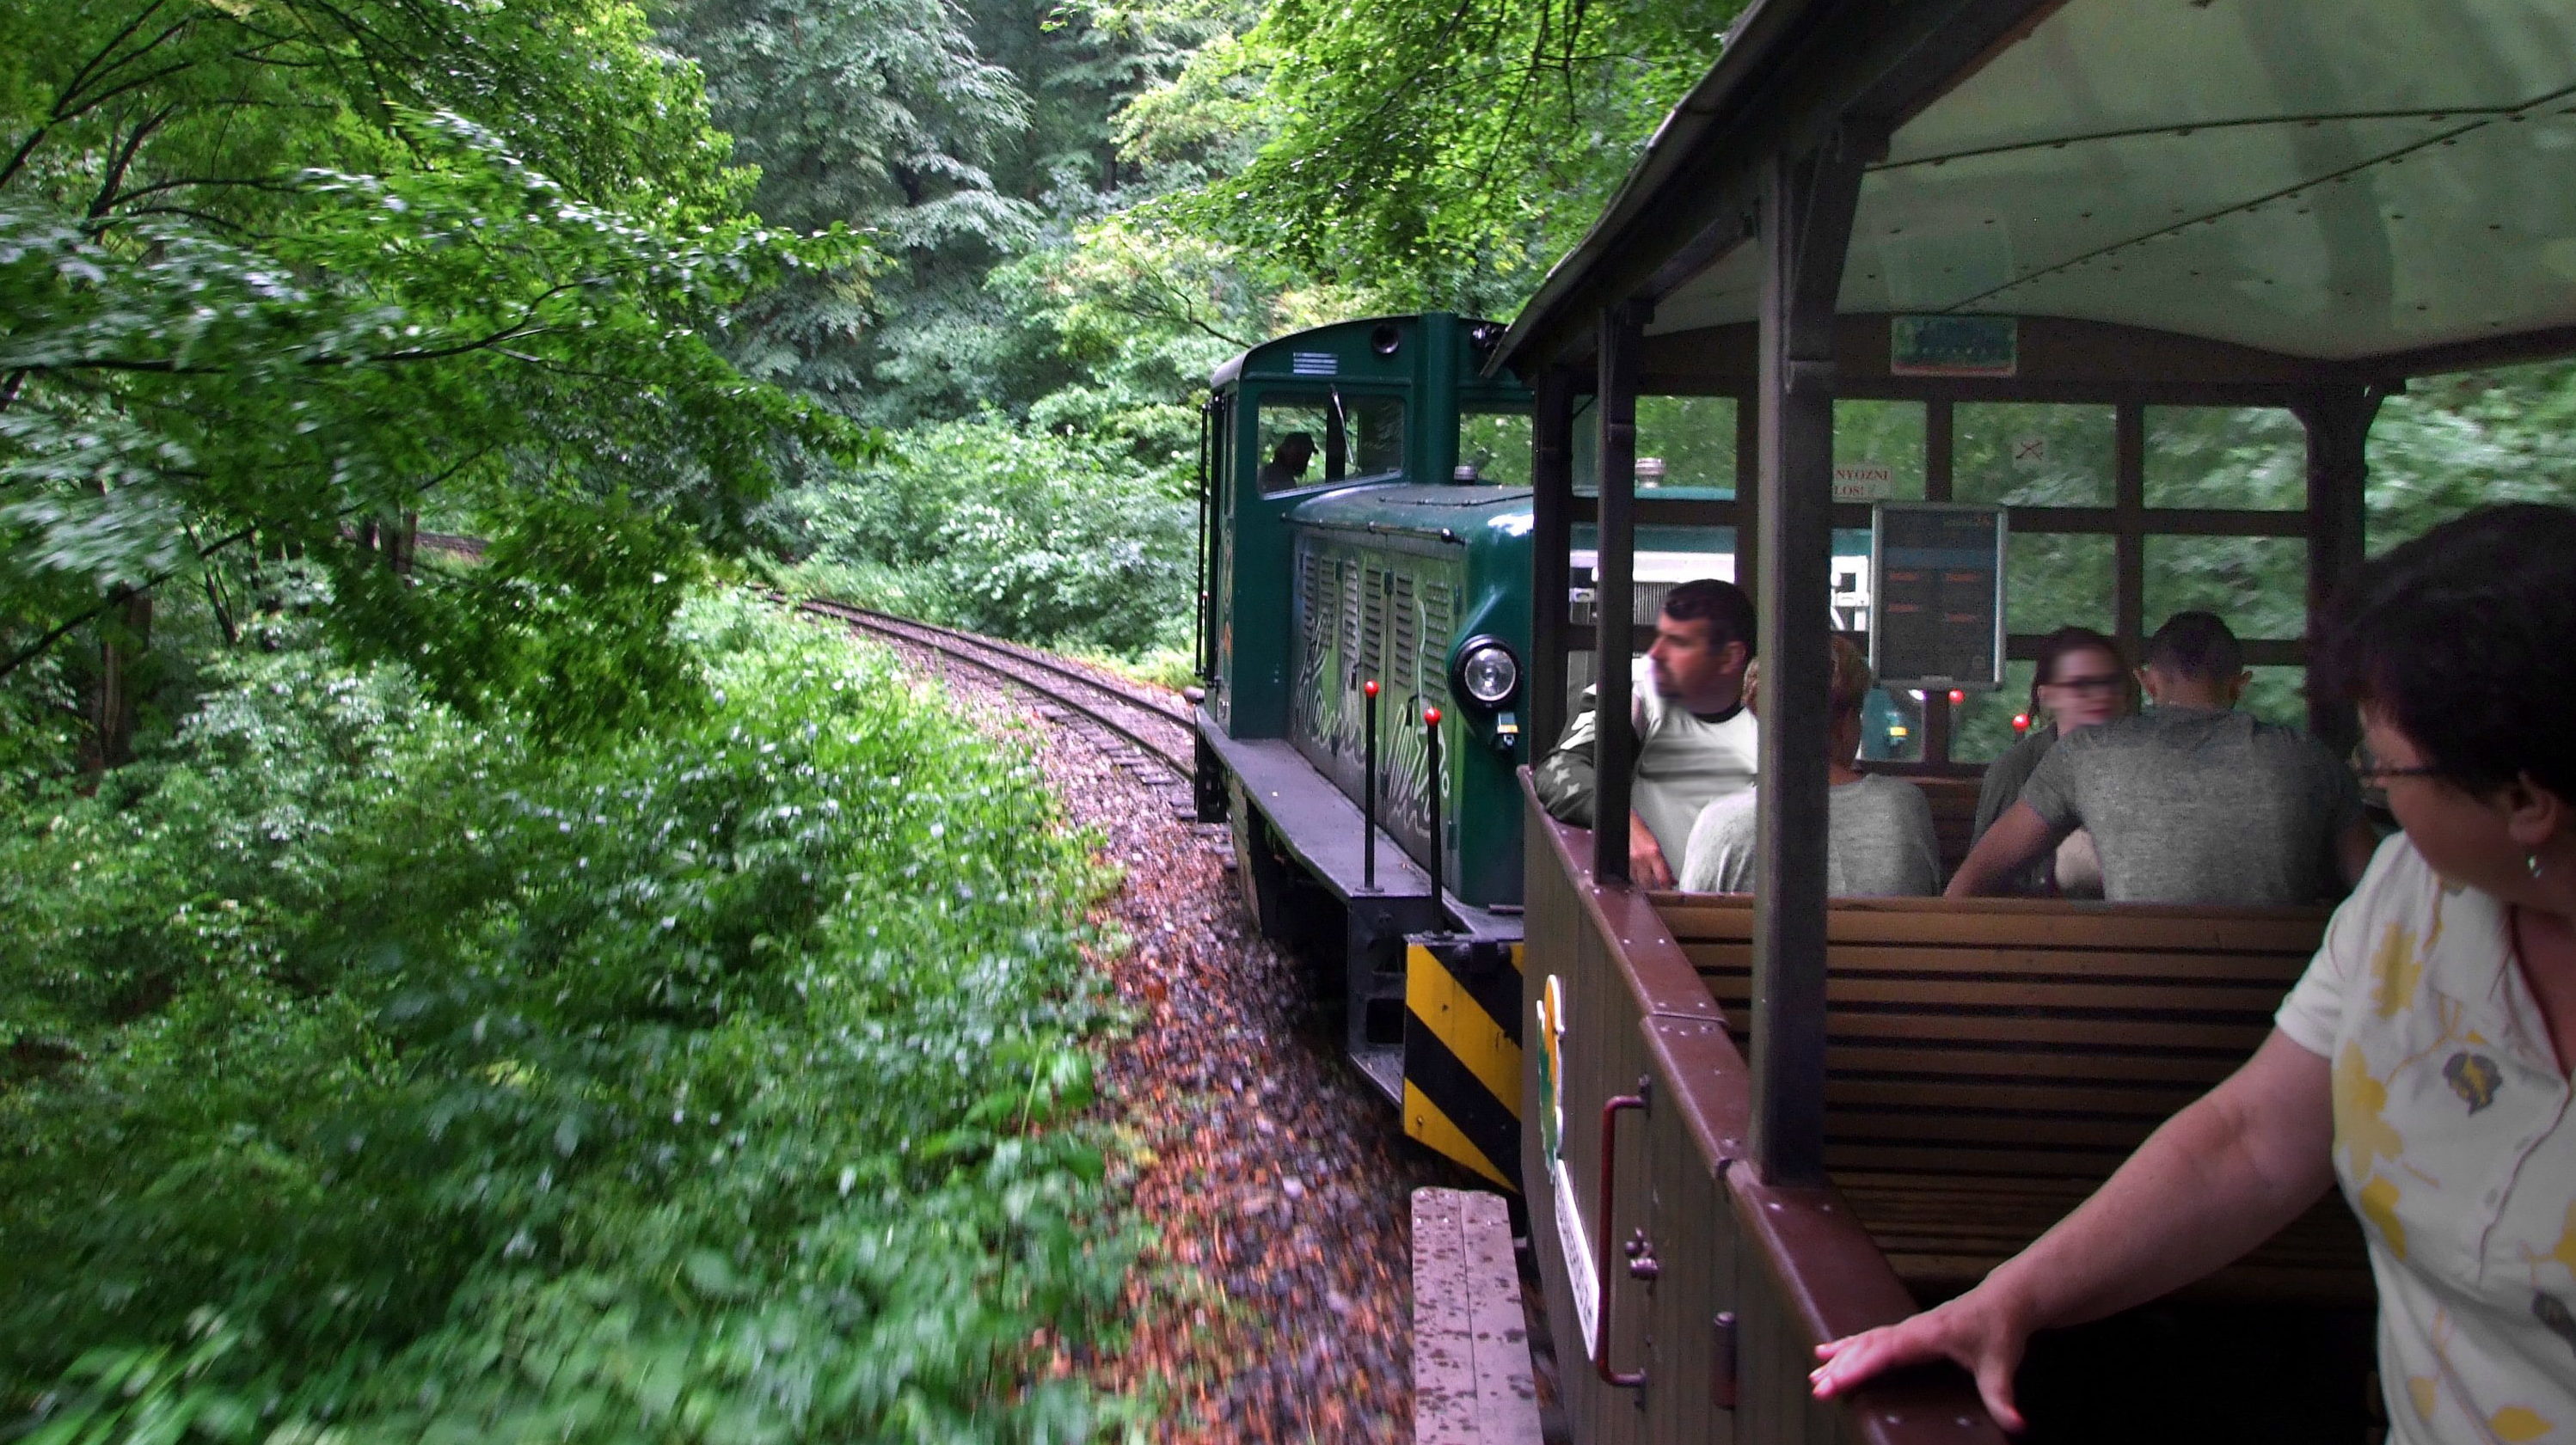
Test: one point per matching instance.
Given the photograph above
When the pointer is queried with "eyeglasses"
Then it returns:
(2104, 683)
(2375, 774)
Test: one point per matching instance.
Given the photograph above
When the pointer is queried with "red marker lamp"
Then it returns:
(1957, 697)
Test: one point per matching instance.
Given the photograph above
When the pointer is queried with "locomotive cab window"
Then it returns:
(1494, 448)
(1310, 438)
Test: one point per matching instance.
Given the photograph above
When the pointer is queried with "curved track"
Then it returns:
(1155, 728)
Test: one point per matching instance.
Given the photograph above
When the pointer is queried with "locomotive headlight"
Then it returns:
(1488, 673)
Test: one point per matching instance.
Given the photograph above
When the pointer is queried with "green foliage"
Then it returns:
(1006, 529)
(964, 137)
(272, 271)
(1041, 337)
(378, 1073)
(877, 114)
(2451, 443)
(1445, 152)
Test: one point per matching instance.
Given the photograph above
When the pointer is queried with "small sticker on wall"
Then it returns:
(1573, 1241)
(1864, 481)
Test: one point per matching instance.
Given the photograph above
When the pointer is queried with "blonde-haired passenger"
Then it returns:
(1878, 833)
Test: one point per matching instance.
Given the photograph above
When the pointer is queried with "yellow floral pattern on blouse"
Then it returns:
(2394, 971)
(2455, 1142)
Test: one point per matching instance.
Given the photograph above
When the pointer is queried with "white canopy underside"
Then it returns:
(2327, 180)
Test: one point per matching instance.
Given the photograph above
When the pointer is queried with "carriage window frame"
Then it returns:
(2126, 525)
(2132, 527)
(1518, 410)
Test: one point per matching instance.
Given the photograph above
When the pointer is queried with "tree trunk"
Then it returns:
(125, 635)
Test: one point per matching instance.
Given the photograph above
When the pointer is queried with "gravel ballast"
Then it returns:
(1275, 1302)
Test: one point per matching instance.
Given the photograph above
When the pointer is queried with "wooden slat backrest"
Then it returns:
(1988, 1062)
(2027, 1038)
(1954, 816)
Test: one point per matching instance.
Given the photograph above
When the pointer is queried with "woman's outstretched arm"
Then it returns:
(2218, 1179)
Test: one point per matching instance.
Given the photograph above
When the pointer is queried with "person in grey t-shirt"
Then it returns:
(1878, 830)
(2189, 801)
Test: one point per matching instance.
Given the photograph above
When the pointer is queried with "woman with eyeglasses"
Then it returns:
(2422, 1064)
(2079, 682)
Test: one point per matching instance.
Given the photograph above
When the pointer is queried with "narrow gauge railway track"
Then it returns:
(1155, 729)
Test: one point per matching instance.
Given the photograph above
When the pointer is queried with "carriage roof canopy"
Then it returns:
(2368, 188)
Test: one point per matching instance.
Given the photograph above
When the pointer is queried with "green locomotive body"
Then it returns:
(1354, 533)
(1402, 585)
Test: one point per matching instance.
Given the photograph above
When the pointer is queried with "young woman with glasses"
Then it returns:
(2080, 681)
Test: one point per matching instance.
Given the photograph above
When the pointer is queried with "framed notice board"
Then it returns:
(1937, 595)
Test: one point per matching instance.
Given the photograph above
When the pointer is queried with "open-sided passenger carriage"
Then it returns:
(1755, 1124)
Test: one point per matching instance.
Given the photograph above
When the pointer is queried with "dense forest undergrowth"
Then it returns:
(380, 1074)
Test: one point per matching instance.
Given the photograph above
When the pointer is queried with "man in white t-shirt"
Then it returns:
(1696, 742)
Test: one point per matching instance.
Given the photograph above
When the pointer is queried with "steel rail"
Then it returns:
(1016, 664)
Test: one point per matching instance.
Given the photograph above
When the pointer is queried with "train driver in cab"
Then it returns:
(1287, 465)
(1696, 741)
(2190, 801)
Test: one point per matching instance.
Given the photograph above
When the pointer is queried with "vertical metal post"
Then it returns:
(2129, 505)
(1614, 592)
(1807, 209)
(1368, 809)
(1198, 622)
(1552, 537)
(1940, 435)
(1437, 372)
(2338, 426)
(1748, 489)
(1439, 848)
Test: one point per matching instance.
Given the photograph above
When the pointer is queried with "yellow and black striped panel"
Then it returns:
(1462, 1053)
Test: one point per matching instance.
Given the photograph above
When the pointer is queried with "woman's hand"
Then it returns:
(1982, 1330)
(2216, 1180)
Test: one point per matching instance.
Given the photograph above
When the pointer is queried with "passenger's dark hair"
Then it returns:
(2196, 645)
(2462, 639)
(2053, 649)
(1723, 605)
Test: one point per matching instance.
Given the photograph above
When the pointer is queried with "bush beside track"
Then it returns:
(372, 1075)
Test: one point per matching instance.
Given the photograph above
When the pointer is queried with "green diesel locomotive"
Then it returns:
(1364, 634)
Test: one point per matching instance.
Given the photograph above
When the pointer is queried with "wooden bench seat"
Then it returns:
(1989, 1062)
